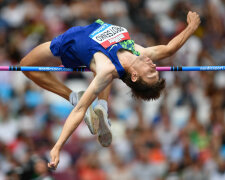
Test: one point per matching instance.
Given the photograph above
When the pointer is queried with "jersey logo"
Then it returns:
(112, 46)
(108, 34)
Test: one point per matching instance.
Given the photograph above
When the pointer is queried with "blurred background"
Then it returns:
(181, 136)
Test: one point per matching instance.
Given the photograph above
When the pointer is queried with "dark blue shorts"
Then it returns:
(74, 47)
(64, 52)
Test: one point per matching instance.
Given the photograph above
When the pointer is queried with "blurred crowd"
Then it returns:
(181, 136)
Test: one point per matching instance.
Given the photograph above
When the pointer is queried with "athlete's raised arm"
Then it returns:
(163, 51)
(98, 84)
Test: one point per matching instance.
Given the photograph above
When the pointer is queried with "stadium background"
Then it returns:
(179, 136)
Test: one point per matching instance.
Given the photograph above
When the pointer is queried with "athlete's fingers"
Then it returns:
(54, 154)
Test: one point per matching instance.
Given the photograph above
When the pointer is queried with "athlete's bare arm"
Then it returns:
(163, 51)
(103, 78)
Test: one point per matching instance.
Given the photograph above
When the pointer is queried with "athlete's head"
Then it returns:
(143, 79)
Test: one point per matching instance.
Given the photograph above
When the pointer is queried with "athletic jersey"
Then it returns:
(77, 45)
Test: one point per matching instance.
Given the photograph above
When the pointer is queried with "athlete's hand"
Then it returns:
(54, 154)
(193, 20)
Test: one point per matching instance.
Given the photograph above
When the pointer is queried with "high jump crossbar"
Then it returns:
(85, 69)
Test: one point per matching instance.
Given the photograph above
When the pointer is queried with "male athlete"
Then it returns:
(109, 53)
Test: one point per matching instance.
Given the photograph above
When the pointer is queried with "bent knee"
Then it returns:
(28, 61)
(24, 62)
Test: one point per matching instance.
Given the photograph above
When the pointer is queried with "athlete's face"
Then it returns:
(146, 70)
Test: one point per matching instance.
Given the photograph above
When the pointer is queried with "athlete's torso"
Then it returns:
(79, 44)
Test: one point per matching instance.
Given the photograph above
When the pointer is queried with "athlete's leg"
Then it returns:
(42, 56)
(101, 109)
(104, 95)
(92, 120)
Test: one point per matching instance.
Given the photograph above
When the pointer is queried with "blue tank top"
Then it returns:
(77, 45)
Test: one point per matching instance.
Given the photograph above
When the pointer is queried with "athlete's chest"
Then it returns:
(101, 62)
